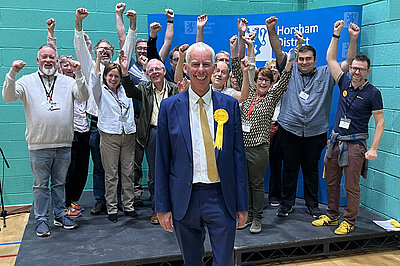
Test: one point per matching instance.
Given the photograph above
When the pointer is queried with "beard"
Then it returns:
(49, 72)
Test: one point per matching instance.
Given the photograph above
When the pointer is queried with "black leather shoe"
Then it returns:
(113, 217)
(132, 214)
(98, 208)
(314, 211)
(138, 202)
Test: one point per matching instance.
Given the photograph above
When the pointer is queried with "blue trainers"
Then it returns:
(65, 223)
(42, 228)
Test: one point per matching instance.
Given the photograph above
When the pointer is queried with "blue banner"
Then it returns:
(316, 26)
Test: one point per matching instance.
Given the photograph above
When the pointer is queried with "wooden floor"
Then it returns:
(12, 235)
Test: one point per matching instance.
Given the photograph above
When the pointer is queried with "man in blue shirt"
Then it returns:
(347, 149)
(303, 119)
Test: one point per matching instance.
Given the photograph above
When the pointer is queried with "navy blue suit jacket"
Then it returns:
(174, 156)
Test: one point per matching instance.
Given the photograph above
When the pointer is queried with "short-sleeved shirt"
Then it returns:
(357, 104)
(307, 117)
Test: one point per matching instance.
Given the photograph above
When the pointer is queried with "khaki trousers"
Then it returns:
(115, 148)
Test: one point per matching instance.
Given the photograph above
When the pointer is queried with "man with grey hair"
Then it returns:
(201, 173)
(48, 99)
(150, 93)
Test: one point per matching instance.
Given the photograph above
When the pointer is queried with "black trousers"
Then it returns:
(78, 169)
(304, 152)
(275, 166)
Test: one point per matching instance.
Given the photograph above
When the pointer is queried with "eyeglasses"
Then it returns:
(106, 48)
(361, 70)
(141, 48)
(176, 59)
(155, 69)
(261, 80)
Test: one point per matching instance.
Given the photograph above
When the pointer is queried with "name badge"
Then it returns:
(122, 118)
(344, 123)
(46, 105)
(304, 95)
(54, 106)
(246, 127)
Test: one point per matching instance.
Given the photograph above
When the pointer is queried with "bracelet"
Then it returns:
(335, 36)
(170, 21)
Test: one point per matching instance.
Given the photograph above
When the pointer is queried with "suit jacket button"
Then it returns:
(189, 184)
(191, 165)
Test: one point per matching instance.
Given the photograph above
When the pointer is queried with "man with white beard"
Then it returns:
(48, 99)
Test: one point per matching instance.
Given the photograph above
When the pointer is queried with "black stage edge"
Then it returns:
(137, 242)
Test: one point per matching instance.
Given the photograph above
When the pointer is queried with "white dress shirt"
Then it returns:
(199, 154)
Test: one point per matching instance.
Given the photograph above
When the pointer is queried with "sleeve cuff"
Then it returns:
(12, 74)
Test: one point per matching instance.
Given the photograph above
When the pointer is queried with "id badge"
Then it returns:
(54, 106)
(246, 127)
(344, 123)
(304, 95)
(122, 118)
(46, 105)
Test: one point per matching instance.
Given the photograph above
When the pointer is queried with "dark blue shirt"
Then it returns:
(356, 104)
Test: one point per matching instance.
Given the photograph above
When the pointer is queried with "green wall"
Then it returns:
(23, 30)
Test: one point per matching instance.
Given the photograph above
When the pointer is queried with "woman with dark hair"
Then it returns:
(117, 136)
(257, 112)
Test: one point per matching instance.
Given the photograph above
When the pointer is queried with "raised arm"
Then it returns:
(152, 52)
(242, 28)
(274, 39)
(12, 91)
(354, 31)
(131, 89)
(81, 51)
(371, 154)
(178, 76)
(119, 10)
(332, 50)
(130, 42)
(244, 92)
(51, 24)
(169, 35)
(81, 91)
(201, 23)
(251, 57)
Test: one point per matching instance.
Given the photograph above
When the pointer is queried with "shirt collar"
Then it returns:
(164, 87)
(361, 87)
(193, 97)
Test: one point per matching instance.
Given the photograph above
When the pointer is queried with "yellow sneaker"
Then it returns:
(325, 220)
(344, 228)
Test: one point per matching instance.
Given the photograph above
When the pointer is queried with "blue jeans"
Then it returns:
(98, 171)
(49, 163)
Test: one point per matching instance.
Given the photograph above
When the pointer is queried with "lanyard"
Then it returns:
(120, 103)
(350, 103)
(253, 105)
(155, 97)
(49, 94)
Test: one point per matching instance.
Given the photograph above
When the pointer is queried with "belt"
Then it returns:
(152, 126)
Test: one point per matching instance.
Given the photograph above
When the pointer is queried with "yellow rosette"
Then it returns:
(221, 116)
(344, 93)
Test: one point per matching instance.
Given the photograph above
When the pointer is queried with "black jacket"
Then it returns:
(144, 92)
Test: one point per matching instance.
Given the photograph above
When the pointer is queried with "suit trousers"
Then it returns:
(352, 172)
(78, 169)
(304, 152)
(115, 148)
(206, 208)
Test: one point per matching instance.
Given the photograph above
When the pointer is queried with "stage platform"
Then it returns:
(137, 242)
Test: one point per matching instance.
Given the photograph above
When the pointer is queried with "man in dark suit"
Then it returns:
(196, 184)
